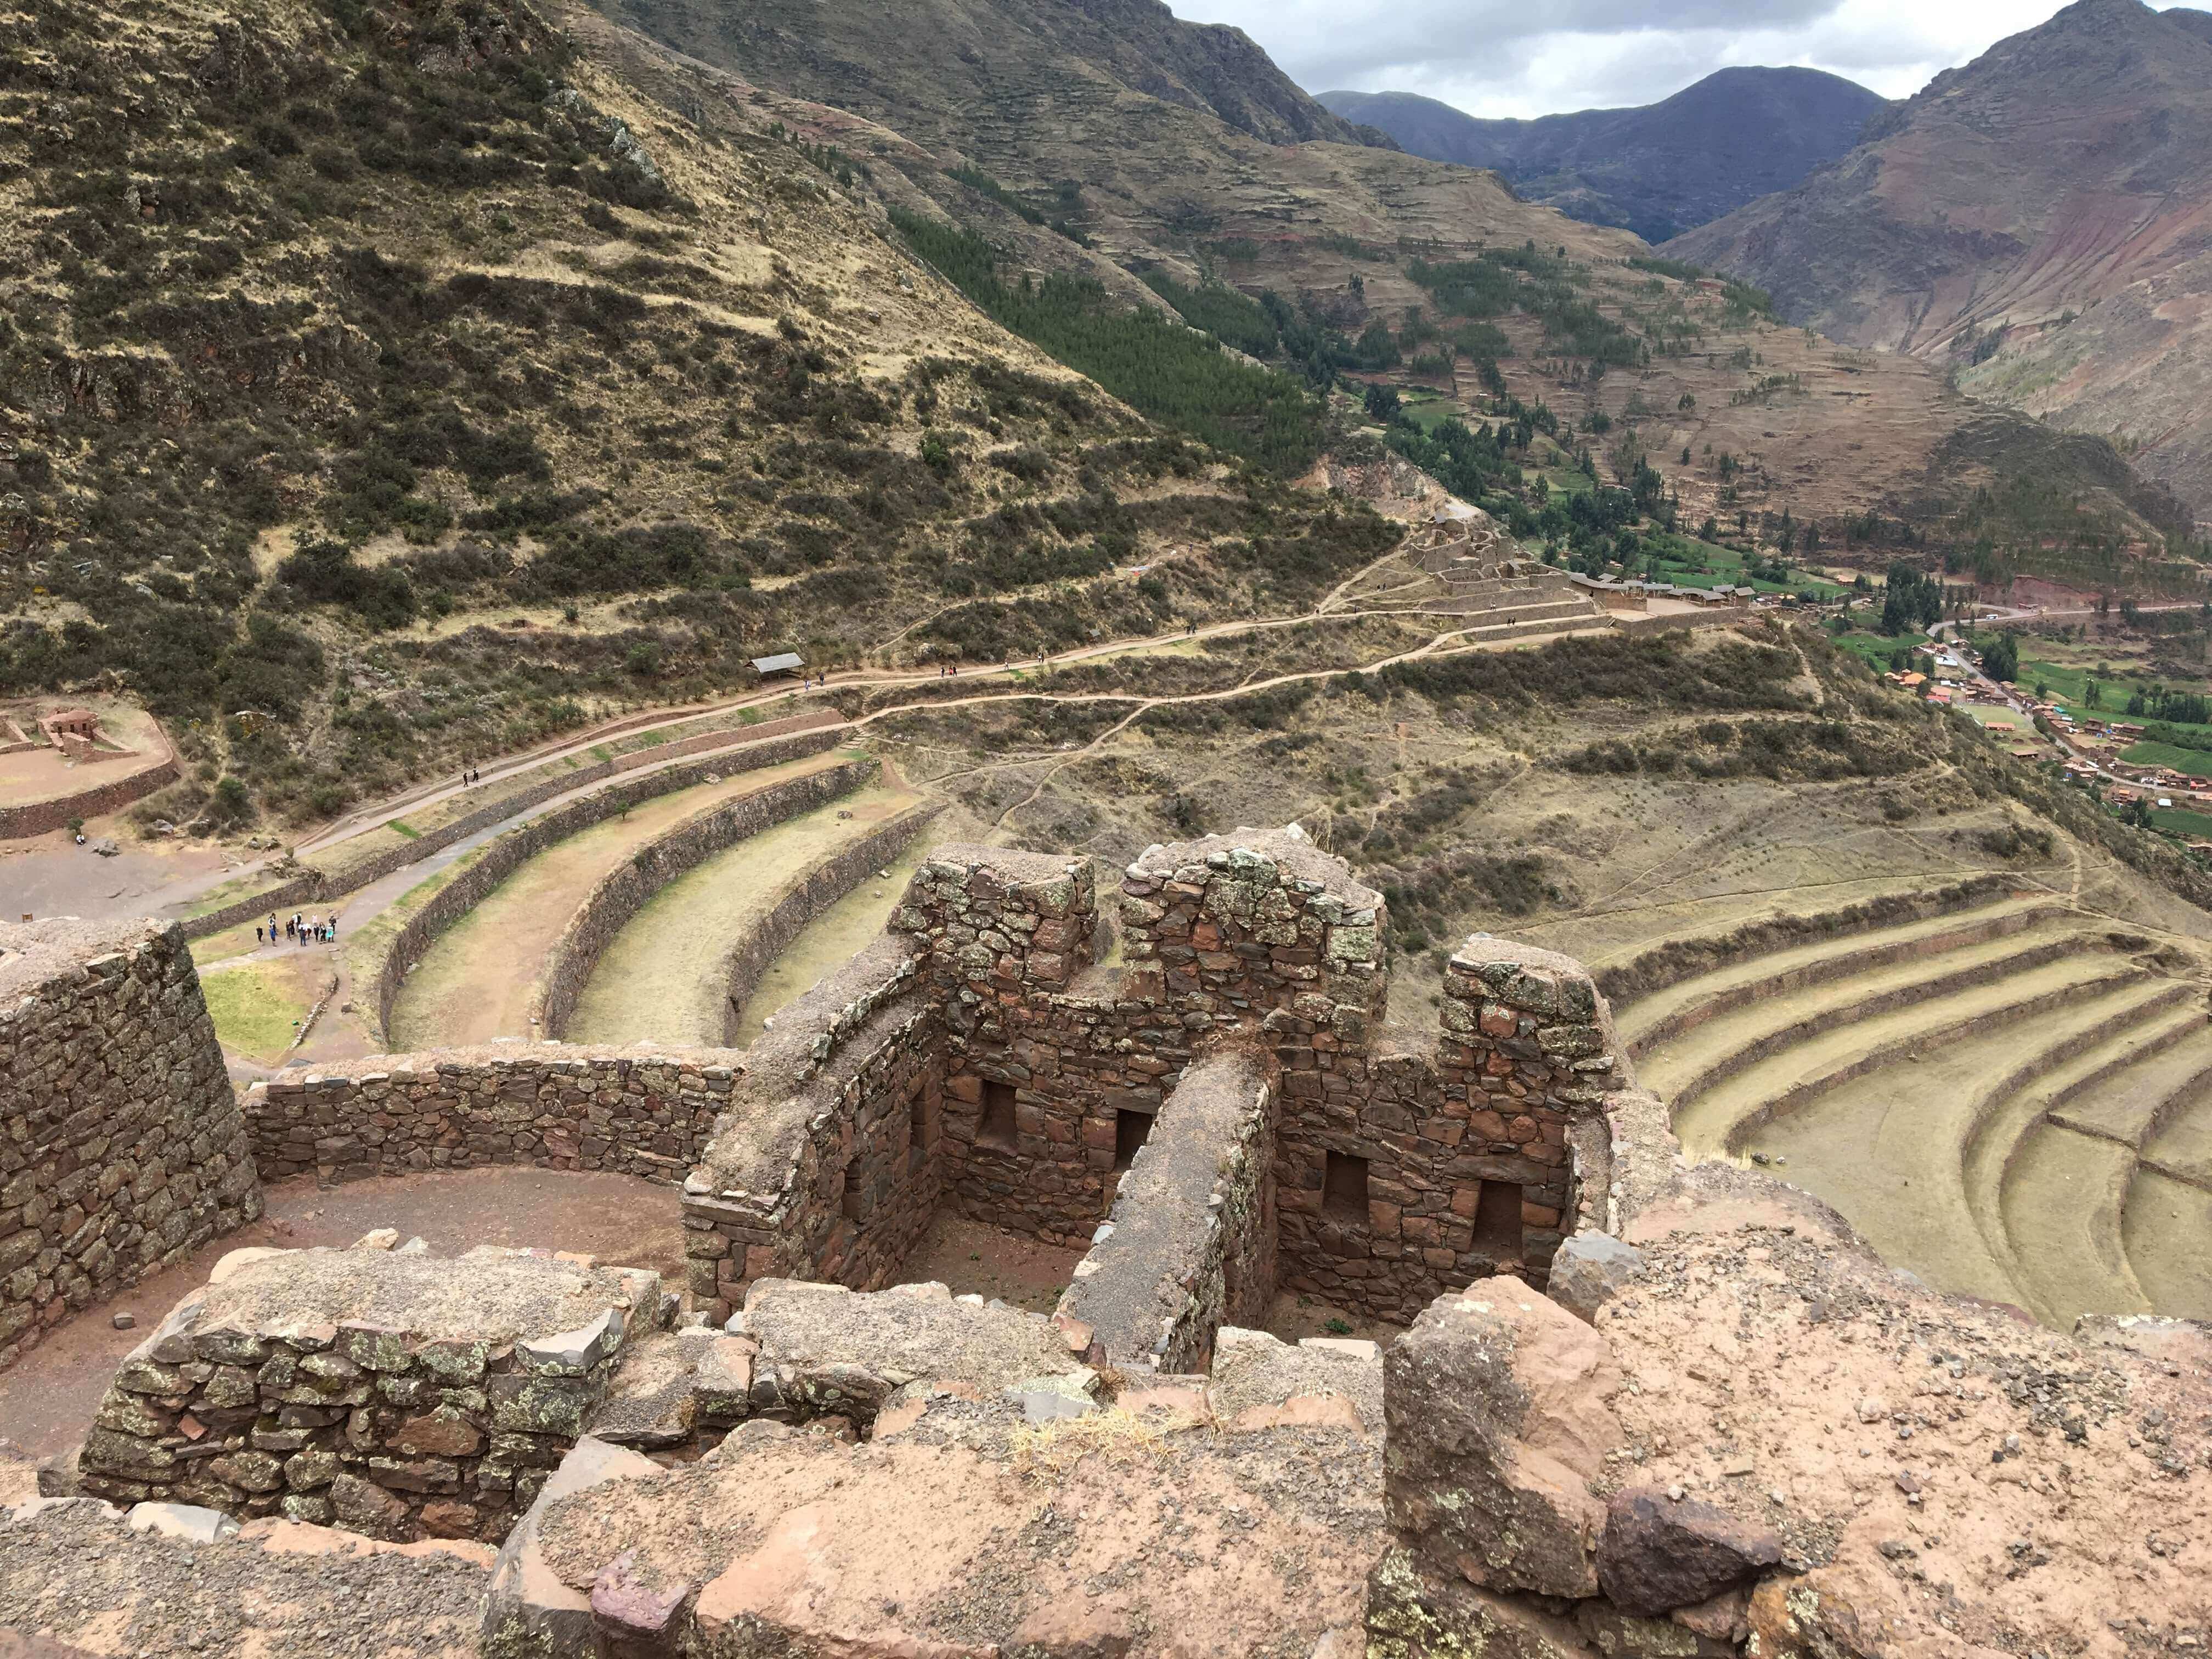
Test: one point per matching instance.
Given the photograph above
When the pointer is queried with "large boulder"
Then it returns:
(1589, 1270)
(1497, 1422)
(1658, 1554)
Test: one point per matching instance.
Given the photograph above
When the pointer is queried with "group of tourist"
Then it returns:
(299, 929)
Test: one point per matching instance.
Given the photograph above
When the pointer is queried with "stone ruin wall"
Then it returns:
(636, 1112)
(122, 1148)
(1190, 1246)
(978, 1053)
(830, 1166)
(242, 1404)
(823, 1152)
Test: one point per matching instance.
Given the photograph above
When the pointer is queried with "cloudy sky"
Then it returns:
(1503, 57)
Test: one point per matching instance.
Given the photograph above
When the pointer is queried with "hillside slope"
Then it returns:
(1015, 123)
(1658, 169)
(380, 387)
(2037, 220)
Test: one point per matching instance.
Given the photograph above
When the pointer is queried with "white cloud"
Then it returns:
(1494, 58)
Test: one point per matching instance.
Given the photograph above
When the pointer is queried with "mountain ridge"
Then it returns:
(1657, 169)
(2037, 220)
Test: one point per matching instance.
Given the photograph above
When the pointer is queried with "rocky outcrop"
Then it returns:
(1499, 1423)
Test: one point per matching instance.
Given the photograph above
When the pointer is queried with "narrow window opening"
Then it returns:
(1130, 1132)
(1343, 1187)
(852, 1204)
(998, 1125)
(1497, 1220)
(917, 1131)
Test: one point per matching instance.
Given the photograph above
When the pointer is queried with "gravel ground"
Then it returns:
(78, 1575)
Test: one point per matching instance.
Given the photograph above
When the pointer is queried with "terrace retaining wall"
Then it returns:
(504, 854)
(122, 1149)
(803, 898)
(41, 817)
(619, 894)
(318, 884)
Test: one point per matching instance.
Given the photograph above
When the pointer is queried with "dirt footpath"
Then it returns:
(48, 1397)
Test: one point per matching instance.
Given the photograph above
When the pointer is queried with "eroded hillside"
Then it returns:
(412, 383)
(1062, 153)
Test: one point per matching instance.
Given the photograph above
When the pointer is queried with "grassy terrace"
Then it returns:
(1877, 651)
(1688, 563)
(351, 853)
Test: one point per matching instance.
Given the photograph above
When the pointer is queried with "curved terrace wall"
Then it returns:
(623, 892)
(803, 898)
(499, 858)
(41, 817)
(1676, 960)
(317, 884)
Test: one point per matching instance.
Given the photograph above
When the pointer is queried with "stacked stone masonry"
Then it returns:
(826, 1166)
(623, 891)
(391, 1392)
(1191, 1243)
(982, 1052)
(122, 1148)
(637, 1112)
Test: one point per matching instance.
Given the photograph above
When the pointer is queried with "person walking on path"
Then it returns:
(256, 935)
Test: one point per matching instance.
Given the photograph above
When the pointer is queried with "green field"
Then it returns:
(1681, 556)
(257, 1008)
(2198, 763)
(2182, 821)
(1878, 649)
(2068, 684)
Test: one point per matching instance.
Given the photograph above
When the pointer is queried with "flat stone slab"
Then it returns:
(971, 1529)
(826, 1347)
(509, 1296)
(1256, 1377)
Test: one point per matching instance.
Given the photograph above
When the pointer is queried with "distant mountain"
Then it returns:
(2040, 220)
(1657, 170)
